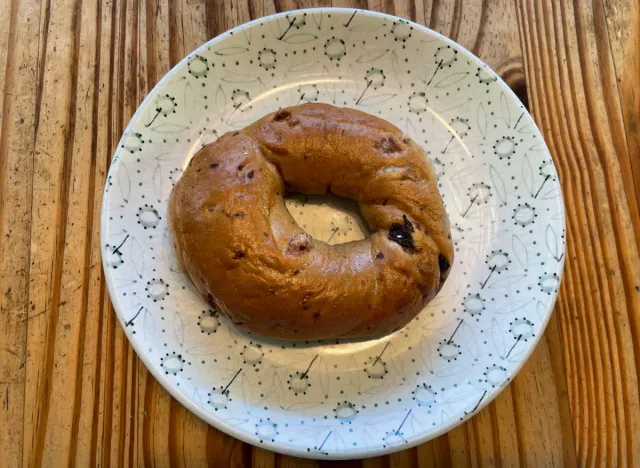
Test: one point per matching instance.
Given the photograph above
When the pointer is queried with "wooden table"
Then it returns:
(72, 391)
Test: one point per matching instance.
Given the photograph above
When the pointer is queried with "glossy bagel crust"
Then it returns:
(242, 249)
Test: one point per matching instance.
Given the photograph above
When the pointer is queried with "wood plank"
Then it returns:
(55, 114)
(404, 458)
(97, 307)
(597, 314)
(18, 28)
(66, 378)
(618, 23)
(434, 453)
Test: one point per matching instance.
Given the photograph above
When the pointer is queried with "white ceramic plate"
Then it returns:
(342, 399)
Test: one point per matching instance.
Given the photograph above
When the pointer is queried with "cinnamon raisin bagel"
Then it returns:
(243, 251)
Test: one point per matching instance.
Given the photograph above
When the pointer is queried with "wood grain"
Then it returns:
(576, 100)
(73, 392)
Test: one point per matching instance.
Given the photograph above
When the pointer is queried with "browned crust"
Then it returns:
(243, 250)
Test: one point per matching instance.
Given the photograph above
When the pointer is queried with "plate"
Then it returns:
(342, 399)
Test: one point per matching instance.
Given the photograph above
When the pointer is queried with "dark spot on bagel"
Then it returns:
(299, 243)
(380, 255)
(384, 202)
(199, 169)
(316, 315)
(211, 208)
(407, 223)
(282, 115)
(388, 145)
(213, 166)
(210, 298)
(240, 167)
(236, 133)
(238, 215)
(405, 138)
(444, 265)
(238, 255)
(250, 174)
(402, 234)
(296, 273)
(443, 262)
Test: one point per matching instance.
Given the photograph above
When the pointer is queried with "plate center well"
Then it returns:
(329, 218)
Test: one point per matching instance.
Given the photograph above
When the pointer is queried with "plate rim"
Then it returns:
(243, 435)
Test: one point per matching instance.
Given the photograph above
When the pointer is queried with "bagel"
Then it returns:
(244, 252)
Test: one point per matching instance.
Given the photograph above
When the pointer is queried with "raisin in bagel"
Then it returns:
(242, 249)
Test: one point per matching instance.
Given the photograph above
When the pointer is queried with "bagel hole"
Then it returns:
(328, 218)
